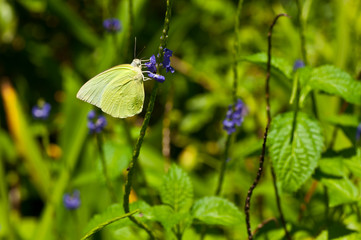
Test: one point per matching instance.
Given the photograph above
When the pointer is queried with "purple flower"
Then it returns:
(91, 115)
(298, 64)
(41, 111)
(96, 124)
(72, 201)
(152, 64)
(358, 132)
(157, 77)
(166, 60)
(112, 25)
(234, 117)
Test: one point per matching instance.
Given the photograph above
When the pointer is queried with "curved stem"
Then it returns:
(278, 200)
(268, 109)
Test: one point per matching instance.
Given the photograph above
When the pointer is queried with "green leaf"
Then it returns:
(333, 81)
(110, 215)
(177, 189)
(341, 191)
(280, 68)
(167, 216)
(217, 210)
(294, 163)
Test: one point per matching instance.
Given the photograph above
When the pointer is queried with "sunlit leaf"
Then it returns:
(217, 210)
(332, 80)
(177, 189)
(294, 162)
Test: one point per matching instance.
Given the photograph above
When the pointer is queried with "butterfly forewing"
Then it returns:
(118, 91)
(92, 91)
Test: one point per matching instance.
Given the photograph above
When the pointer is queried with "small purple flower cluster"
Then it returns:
(112, 25)
(96, 123)
(358, 132)
(152, 65)
(41, 111)
(72, 201)
(298, 64)
(234, 118)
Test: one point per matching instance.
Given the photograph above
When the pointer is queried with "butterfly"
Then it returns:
(118, 91)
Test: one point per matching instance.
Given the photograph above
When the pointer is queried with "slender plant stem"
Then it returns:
(278, 201)
(224, 163)
(268, 109)
(133, 163)
(301, 23)
(166, 135)
(138, 144)
(105, 170)
(230, 137)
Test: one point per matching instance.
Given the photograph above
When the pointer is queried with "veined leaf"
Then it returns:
(341, 191)
(167, 217)
(110, 215)
(217, 210)
(294, 162)
(334, 81)
(177, 189)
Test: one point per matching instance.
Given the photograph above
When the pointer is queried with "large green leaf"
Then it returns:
(110, 215)
(334, 81)
(217, 210)
(294, 162)
(341, 191)
(167, 216)
(177, 189)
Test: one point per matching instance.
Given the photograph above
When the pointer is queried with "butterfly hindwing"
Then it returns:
(124, 96)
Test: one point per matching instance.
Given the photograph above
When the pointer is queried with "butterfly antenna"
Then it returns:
(135, 46)
(141, 51)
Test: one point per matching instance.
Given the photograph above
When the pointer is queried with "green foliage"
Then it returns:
(280, 68)
(177, 190)
(216, 210)
(333, 80)
(295, 161)
(110, 215)
(50, 48)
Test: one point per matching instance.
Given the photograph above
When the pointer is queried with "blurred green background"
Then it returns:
(48, 49)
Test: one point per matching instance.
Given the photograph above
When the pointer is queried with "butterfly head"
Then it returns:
(136, 63)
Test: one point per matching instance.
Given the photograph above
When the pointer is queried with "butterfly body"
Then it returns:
(118, 91)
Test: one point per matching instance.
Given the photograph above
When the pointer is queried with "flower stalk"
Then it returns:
(138, 144)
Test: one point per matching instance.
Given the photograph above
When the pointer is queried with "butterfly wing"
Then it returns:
(124, 97)
(93, 90)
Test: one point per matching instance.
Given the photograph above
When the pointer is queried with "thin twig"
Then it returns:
(278, 201)
(268, 109)
(138, 144)
(304, 52)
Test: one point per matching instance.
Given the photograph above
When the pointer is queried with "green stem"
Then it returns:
(278, 201)
(105, 170)
(301, 22)
(295, 113)
(224, 163)
(133, 163)
(138, 144)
